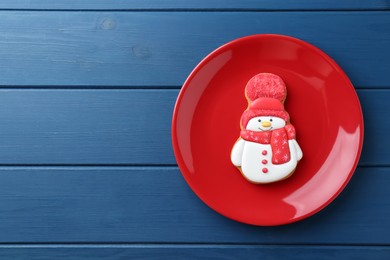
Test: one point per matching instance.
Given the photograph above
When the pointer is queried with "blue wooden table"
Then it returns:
(83, 175)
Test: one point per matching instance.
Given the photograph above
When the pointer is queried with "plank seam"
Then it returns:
(87, 167)
(196, 10)
(128, 87)
(176, 245)
(89, 87)
(121, 166)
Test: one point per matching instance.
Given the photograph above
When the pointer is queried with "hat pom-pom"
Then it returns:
(266, 85)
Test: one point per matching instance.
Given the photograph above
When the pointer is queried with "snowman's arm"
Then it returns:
(236, 155)
(297, 149)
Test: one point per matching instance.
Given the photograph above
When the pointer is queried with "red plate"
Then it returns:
(324, 109)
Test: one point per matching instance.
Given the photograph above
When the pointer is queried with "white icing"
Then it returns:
(252, 166)
(297, 149)
(265, 123)
(236, 155)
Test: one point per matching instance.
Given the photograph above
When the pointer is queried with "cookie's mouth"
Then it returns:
(261, 129)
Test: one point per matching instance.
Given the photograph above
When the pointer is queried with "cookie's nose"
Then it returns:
(265, 124)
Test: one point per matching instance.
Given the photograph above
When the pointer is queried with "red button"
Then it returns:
(264, 152)
(264, 161)
(265, 170)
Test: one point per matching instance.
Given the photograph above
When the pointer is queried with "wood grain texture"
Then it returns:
(155, 205)
(113, 252)
(86, 126)
(161, 48)
(86, 85)
(125, 127)
(199, 4)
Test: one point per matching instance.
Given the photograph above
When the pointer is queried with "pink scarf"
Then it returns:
(277, 138)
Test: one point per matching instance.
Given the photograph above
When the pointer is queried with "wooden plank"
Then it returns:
(113, 252)
(126, 127)
(66, 48)
(199, 4)
(375, 106)
(86, 127)
(154, 204)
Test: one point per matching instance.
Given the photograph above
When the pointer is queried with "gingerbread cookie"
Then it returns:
(266, 150)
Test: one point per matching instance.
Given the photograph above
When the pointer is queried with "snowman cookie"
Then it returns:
(266, 150)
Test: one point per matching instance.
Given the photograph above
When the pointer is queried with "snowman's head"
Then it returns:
(265, 123)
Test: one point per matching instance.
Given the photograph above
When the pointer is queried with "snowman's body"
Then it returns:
(256, 164)
(255, 159)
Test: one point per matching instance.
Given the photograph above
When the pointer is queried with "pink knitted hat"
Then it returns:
(266, 93)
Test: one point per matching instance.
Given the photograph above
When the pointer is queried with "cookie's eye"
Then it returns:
(270, 119)
(259, 120)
